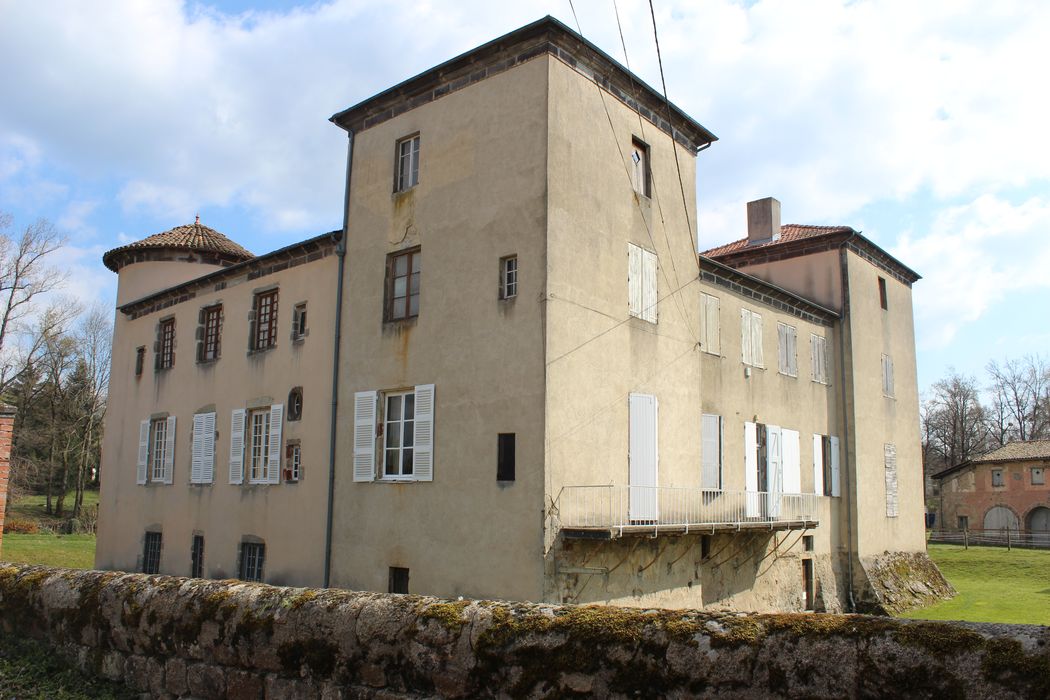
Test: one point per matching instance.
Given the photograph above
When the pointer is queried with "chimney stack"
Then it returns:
(763, 221)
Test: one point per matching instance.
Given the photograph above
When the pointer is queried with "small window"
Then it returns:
(1038, 476)
(151, 553)
(210, 333)
(640, 173)
(505, 457)
(705, 547)
(887, 376)
(818, 347)
(403, 277)
(166, 344)
(751, 338)
(264, 328)
(252, 556)
(407, 164)
(295, 403)
(964, 522)
(398, 580)
(508, 277)
(140, 359)
(787, 348)
(710, 329)
(197, 557)
(293, 465)
(259, 445)
(299, 322)
(808, 584)
(642, 285)
(399, 434)
(807, 543)
(882, 293)
(997, 478)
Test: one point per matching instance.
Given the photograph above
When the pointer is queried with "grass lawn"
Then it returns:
(72, 551)
(994, 584)
(33, 507)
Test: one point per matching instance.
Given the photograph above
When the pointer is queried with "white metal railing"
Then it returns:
(619, 507)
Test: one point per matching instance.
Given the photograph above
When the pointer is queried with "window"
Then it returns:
(751, 338)
(156, 455)
(210, 333)
(808, 584)
(398, 580)
(402, 293)
(264, 325)
(202, 460)
(882, 293)
(1038, 476)
(508, 277)
(505, 457)
(887, 376)
(807, 543)
(709, 324)
(407, 164)
(890, 462)
(640, 173)
(259, 445)
(818, 348)
(151, 553)
(711, 452)
(964, 522)
(140, 359)
(295, 403)
(641, 283)
(255, 442)
(787, 345)
(299, 322)
(705, 547)
(197, 557)
(405, 431)
(826, 465)
(399, 429)
(293, 468)
(252, 556)
(165, 349)
(997, 478)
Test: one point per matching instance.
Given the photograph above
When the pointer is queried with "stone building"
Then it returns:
(511, 375)
(1005, 489)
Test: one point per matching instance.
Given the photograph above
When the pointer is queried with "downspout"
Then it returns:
(844, 272)
(340, 251)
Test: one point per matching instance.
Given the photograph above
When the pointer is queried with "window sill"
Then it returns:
(261, 351)
(212, 361)
(396, 480)
(785, 374)
(407, 321)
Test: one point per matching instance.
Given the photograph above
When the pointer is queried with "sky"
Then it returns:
(921, 124)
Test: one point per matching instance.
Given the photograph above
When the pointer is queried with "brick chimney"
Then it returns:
(763, 221)
(7, 424)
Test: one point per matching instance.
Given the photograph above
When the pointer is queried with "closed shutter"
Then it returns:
(365, 435)
(169, 451)
(745, 337)
(208, 452)
(634, 280)
(197, 450)
(423, 464)
(835, 466)
(649, 286)
(890, 455)
(237, 445)
(757, 355)
(712, 336)
(140, 465)
(792, 460)
(273, 466)
(782, 363)
(711, 452)
(818, 464)
(792, 351)
(887, 375)
(751, 469)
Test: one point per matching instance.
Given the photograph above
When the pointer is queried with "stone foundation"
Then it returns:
(900, 581)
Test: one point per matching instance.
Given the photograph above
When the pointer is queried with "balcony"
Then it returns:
(609, 512)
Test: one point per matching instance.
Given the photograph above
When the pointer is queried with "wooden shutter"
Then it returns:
(643, 457)
(273, 466)
(140, 466)
(711, 337)
(208, 453)
(634, 280)
(792, 351)
(818, 464)
(237, 445)
(890, 456)
(756, 340)
(423, 461)
(169, 451)
(774, 485)
(835, 466)
(745, 337)
(197, 451)
(790, 448)
(711, 452)
(782, 349)
(649, 286)
(751, 469)
(365, 435)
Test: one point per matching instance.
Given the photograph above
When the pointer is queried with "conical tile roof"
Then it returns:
(195, 237)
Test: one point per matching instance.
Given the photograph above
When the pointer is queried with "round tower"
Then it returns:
(169, 258)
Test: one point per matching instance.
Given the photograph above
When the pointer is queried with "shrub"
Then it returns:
(21, 526)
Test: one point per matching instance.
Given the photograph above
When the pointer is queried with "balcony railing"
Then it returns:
(617, 510)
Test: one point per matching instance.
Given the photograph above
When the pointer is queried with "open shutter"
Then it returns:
(169, 451)
(423, 462)
(634, 280)
(365, 435)
(140, 466)
(792, 351)
(745, 337)
(751, 469)
(711, 317)
(711, 452)
(197, 452)
(818, 464)
(774, 485)
(237, 445)
(649, 286)
(789, 439)
(835, 466)
(782, 349)
(756, 341)
(208, 452)
(273, 467)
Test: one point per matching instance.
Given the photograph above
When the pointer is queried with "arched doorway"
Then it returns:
(1000, 518)
(1038, 520)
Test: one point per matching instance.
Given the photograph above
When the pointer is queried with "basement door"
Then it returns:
(642, 458)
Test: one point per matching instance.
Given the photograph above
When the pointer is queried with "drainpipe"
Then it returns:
(340, 251)
(844, 271)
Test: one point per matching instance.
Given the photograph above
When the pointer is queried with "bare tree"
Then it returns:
(1020, 398)
(954, 421)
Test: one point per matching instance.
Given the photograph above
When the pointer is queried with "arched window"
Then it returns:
(295, 403)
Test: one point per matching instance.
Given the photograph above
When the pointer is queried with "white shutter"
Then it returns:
(208, 453)
(712, 336)
(273, 466)
(423, 462)
(140, 466)
(818, 464)
(745, 337)
(792, 351)
(643, 457)
(751, 469)
(890, 455)
(711, 452)
(757, 355)
(197, 451)
(774, 485)
(169, 451)
(649, 286)
(792, 460)
(365, 435)
(782, 361)
(237, 445)
(834, 466)
(634, 280)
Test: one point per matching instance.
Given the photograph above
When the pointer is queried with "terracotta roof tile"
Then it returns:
(788, 232)
(194, 237)
(1017, 450)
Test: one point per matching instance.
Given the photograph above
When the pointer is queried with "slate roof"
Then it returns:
(788, 232)
(194, 237)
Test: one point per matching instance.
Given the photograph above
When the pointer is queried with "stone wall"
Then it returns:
(175, 637)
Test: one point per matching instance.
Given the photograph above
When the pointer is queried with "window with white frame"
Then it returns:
(293, 466)
(887, 376)
(394, 434)
(157, 444)
(255, 444)
(641, 283)
(751, 338)
(258, 444)
(407, 163)
(818, 348)
(156, 454)
(787, 349)
(508, 277)
(710, 330)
